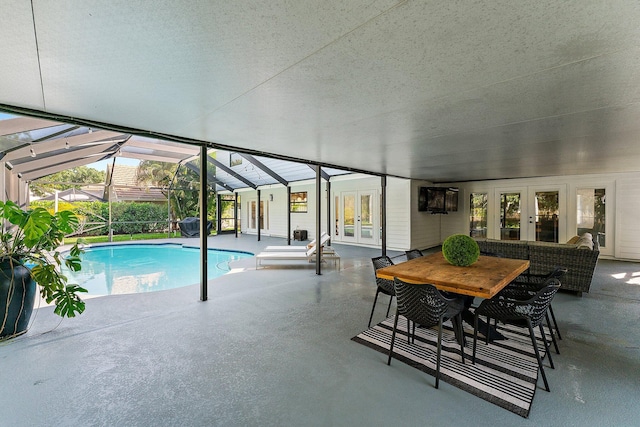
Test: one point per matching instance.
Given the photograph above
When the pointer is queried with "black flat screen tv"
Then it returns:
(437, 199)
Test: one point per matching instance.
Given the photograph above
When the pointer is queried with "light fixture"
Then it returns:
(90, 130)
(8, 165)
(66, 145)
(32, 151)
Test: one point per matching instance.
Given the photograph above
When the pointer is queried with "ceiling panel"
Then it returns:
(432, 90)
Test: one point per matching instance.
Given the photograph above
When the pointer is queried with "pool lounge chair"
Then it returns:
(309, 255)
(324, 238)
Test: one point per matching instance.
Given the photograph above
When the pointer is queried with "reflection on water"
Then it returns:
(125, 269)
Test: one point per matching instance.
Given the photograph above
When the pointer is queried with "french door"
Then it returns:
(358, 218)
(531, 213)
(253, 222)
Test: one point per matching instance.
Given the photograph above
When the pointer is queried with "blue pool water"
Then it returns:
(126, 269)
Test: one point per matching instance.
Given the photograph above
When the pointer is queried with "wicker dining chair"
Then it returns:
(424, 305)
(413, 254)
(384, 286)
(530, 314)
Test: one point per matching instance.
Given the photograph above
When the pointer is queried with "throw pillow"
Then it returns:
(585, 241)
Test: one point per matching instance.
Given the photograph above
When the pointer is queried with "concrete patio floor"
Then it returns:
(272, 348)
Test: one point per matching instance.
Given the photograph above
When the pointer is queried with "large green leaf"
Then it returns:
(67, 221)
(37, 224)
(68, 303)
(13, 213)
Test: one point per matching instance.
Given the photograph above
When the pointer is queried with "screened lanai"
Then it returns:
(33, 148)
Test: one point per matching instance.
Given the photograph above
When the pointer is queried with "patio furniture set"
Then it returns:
(430, 291)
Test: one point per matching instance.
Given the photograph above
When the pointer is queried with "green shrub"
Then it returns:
(460, 250)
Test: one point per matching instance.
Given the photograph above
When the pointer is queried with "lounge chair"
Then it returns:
(324, 238)
(309, 255)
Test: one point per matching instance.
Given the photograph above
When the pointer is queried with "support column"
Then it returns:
(383, 203)
(258, 218)
(203, 223)
(169, 223)
(329, 212)
(235, 215)
(318, 220)
(110, 222)
(288, 215)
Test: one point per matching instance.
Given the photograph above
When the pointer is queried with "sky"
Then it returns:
(102, 165)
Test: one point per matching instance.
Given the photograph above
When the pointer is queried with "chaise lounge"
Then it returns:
(309, 255)
(324, 238)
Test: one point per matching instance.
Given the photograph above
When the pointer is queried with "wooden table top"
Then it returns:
(485, 278)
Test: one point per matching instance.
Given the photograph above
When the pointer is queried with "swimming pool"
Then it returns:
(134, 268)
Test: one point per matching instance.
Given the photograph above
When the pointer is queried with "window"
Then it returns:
(478, 215)
(298, 202)
(591, 213)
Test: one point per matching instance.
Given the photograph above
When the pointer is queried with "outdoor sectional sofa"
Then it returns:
(578, 258)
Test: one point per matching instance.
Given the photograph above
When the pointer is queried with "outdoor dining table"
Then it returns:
(484, 278)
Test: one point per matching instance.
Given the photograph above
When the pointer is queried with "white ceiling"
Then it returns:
(435, 90)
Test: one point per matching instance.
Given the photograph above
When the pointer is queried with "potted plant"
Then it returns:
(29, 258)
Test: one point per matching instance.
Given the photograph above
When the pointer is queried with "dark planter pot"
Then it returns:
(17, 294)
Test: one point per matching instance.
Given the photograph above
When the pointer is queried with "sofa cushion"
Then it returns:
(585, 241)
(573, 240)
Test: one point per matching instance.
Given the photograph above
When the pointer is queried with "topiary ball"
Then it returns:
(460, 250)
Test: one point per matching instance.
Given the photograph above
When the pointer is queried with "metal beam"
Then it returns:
(25, 124)
(325, 175)
(231, 172)
(32, 164)
(95, 138)
(210, 176)
(53, 135)
(257, 163)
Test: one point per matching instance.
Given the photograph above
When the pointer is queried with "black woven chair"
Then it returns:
(525, 289)
(413, 254)
(425, 305)
(384, 286)
(530, 314)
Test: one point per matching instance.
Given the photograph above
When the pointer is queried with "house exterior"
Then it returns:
(123, 183)
(355, 211)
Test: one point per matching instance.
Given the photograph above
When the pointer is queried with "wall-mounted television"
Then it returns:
(437, 199)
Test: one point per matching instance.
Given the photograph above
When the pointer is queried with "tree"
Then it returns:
(183, 183)
(66, 179)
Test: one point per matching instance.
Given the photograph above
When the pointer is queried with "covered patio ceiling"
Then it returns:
(33, 148)
(438, 91)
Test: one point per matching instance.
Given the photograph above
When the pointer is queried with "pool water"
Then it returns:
(126, 269)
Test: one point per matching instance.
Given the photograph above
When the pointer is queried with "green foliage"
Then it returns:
(460, 250)
(182, 187)
(63, 180)
(34, 238)
(126, 217)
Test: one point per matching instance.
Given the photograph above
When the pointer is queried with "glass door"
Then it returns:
(358, 219)
(510, 209)
(545, 216)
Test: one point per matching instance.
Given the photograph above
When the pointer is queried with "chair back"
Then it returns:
(540, 302)
(384, 284)
(557, 273)
(413, 254)
(422, 304)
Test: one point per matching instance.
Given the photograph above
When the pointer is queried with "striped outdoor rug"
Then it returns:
(505, 373)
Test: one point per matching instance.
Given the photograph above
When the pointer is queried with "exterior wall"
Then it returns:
(627, 244)
(622, 206)
(425, 227)
(278, 207)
